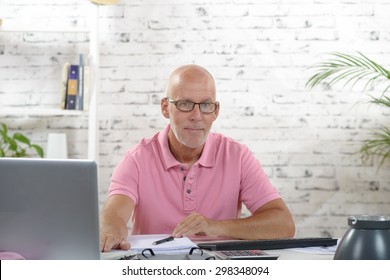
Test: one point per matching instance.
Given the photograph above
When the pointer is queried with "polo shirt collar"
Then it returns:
(207, 159)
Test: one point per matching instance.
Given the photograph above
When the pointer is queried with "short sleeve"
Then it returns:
(256, 188)
(125, 178)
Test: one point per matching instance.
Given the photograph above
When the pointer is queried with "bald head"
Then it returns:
(190, 84)
(188, 76)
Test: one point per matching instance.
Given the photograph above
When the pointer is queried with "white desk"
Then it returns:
(284, 254)
(311, 253)
(293, 254)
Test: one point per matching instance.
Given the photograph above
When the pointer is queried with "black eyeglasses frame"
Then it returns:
(175, 102)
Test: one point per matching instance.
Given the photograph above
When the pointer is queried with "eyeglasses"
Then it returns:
(188, 106)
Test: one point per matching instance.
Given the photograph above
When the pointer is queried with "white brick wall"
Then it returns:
(258, 51)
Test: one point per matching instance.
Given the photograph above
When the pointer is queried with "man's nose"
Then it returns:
(196, 113)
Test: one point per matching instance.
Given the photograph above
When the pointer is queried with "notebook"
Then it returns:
(49, 208)
(177, 248)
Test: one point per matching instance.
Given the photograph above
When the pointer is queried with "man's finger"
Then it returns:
(124, 245)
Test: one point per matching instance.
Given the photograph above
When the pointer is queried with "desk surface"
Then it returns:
(292, 254)
(284, 254)
(308, 253)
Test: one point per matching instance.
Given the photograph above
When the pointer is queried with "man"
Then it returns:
(186, 180)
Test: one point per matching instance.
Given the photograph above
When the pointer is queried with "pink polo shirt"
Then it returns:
(165, 191)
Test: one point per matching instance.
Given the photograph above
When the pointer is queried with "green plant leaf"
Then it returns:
(4, 129)
(21, 138)
(21, 153)
(3, 134)
(379, 146)
(16, 146)
(383, 100)
(38, 149)
(352, 69)
(13, 146)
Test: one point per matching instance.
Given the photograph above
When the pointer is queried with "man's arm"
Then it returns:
(113, 223)
(272, 220)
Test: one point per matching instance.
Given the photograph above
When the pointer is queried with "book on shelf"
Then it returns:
(80, 84)
(64, 84)
(75, 89)
(71, 97)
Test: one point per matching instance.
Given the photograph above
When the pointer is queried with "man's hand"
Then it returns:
(196, 223)
(272, 220)
(112, 240)
(113, 218)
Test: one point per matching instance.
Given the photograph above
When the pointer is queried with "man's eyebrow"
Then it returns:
(208, 100)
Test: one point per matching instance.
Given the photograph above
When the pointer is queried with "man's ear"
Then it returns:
(164, 108)
(216, 113)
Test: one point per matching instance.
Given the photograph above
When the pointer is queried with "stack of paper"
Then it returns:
(178, 245)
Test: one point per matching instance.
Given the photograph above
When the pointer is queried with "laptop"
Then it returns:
(49, 209)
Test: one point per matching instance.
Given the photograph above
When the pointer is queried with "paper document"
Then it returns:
(178, 245)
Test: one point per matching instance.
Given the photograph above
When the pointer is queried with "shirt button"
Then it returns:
(188, 191)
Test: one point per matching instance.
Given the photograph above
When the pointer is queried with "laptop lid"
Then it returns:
(49, 208)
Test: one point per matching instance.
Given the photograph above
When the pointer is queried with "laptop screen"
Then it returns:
(49, 208)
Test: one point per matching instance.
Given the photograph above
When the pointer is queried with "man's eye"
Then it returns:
(186, 104)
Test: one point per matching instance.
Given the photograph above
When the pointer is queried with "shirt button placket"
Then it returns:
(189, 194)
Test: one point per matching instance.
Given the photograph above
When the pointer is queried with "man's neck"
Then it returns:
(182, 153)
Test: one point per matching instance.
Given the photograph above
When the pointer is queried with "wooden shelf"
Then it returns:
(47, 29)
(92, 29)
(39, 112)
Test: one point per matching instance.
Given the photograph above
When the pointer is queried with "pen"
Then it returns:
(170, 238)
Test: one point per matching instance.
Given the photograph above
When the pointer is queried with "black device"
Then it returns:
(268, 244)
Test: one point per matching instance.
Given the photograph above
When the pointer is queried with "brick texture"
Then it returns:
(259, 53)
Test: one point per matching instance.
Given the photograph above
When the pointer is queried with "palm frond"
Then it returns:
(380, 146)
(383, 101)
(352, 68)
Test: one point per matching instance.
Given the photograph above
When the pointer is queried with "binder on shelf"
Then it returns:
(71, 97)
(80, 84)
(64, 85)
